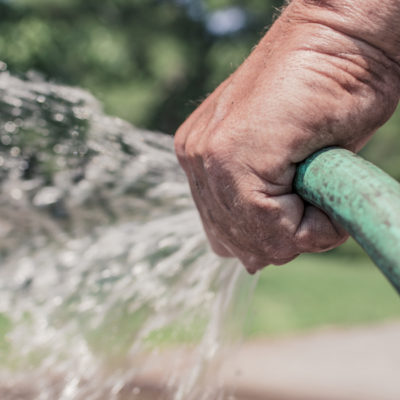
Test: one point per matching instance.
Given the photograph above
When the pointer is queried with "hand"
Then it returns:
(305, 86)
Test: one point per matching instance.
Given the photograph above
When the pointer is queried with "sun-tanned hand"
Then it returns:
(321, 76)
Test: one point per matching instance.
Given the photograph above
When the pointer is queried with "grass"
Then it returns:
(320, 290)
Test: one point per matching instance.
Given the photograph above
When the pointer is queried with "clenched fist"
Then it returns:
(318, 78)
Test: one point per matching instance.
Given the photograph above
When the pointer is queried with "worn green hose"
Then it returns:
(362, 198)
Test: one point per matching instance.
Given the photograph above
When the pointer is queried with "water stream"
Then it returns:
(103, 259)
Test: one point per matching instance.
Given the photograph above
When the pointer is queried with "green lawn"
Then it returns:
(320, 290)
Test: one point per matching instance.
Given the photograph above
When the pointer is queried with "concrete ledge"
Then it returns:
(352, 364)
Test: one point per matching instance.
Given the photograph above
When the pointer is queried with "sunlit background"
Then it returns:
(151, 62)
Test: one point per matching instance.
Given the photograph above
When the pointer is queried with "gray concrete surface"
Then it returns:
(360, 363)
(352, 364)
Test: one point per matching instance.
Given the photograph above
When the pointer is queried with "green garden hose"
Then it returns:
(361, 197)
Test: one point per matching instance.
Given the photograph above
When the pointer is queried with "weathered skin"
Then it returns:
(326, 73)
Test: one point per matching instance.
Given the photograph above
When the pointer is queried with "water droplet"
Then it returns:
(19, 122)
(60, 149)
(82, 150)
(41, 99)
(68, 259)
(23, 165)
(81, 113)
(46, 196)
(16, 112)
(25, 271)
(13, 101)
(61, 163)
(10, 127)
(6, 140)
(16, 194)
(15, 151)
(59, 117)
(136, 391)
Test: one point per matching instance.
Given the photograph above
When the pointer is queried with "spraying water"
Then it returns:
(103, 259)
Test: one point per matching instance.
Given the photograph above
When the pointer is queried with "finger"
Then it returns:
(254, 263)
(266, 238)
(317, 232)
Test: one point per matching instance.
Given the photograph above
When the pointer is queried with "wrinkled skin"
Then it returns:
(304, 87)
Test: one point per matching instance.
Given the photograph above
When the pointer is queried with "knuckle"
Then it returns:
(188, 144)
(268, 213)
(218, 146)
(194, 146)
(273, 209)
(180, 140)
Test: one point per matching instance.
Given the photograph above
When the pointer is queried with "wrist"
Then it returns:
(374, 22)
(317, 35)
(351, 86)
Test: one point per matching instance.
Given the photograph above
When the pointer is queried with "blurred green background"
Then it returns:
(151, 62)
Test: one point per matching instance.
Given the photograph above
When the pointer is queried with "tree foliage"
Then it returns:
(149, 61)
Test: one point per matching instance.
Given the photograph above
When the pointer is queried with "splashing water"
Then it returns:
(103, 259)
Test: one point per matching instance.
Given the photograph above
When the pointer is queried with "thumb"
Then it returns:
(317, 232)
